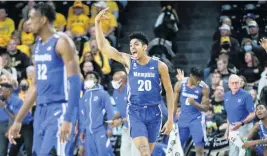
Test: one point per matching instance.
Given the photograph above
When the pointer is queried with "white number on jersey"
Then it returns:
(144, 85)
(42, 70)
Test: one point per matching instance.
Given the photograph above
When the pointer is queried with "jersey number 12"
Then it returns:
(42, 70)
(144, 85)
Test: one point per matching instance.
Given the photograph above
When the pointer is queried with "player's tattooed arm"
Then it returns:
(103, 44)
(176, 93)
(253, 131)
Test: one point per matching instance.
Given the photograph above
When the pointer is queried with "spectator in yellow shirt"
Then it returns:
(78, 23)
(108, 25)
(113, 8)
(6, 27)
(60, 21)
(85, 9)
(101, 59)
(27, 38)
(16, 35)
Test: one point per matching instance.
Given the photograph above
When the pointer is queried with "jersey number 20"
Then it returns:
(42, 70)
(144, 85)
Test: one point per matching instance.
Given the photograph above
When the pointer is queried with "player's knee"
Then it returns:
(144, 150)
(199, 150)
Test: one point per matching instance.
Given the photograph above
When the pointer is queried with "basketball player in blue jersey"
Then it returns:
(145, 75)
(192, 94)
(56, 88)
(260, 128)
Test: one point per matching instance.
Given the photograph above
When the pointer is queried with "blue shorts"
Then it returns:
(98, 144)
(47, 121)
(194, 128)
(145, 121)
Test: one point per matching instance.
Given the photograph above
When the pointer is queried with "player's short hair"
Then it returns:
(140, 36)
(46, 10)
(197, 71)
(94, 73)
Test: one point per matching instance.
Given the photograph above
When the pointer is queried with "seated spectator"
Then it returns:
(111, 4)
(16, 35)
(251, 70)
(108, 25)
(19, 60)
(6, 64)
(214, 82)
(229, 46)
(253, 93)
(85, 8)
(23, 87)
(27, 38)
(254, 34)
(217, 102)
(27, 8)
(89, 66)
(245, 29)
(30, 74)
(60, 21)
(263, 80)
(6, 27)
(243, 82)
(78, 22)
(220, 31)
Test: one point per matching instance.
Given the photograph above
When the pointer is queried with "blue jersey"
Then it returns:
(51, 77)
(188, 111)
(144, 83)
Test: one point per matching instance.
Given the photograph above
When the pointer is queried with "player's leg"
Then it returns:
(153, 124)
(51, 144)
(184, 135)
(198, 133)
(138, 130)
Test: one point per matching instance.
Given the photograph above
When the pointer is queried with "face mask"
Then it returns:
(89, 84)
(116, 84)
(248, 48)
(24, 87)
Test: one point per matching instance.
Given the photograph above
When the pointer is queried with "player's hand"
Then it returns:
(103, 14)
(191, 100)
(226, 134)
(81, 151)
(180, 74)
(167, 128)
(263, 43)
(65, 131)
(236, 125)
(248, 144)
(109, 133)
(82, 136)
(13, 132)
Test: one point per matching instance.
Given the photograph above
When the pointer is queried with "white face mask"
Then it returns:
(116, 84)
(88, 84)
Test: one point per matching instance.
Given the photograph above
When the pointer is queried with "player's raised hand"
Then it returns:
(65, 131)
(13, 132)
(263, 43)
(180, 74)
(103, 14)
(167, 128)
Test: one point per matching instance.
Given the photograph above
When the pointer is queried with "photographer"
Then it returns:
(11, 104)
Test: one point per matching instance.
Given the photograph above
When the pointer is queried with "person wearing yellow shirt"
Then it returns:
(108, 25)
(27, 38)
(16, 35)
(60, 22)
(101, 59)
(6, 27)
(85, 9)
(78, 23)
(113, 8)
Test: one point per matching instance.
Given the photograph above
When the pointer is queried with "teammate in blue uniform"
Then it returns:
(145, 75)
(260, 128)
(193, 96)
(56, 88)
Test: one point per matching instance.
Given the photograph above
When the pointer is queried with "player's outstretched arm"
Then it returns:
(30, 98)
(103, 44)
(66, 49)
(165, 78)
